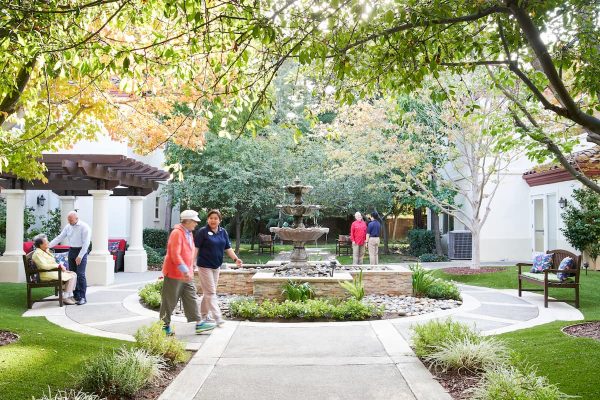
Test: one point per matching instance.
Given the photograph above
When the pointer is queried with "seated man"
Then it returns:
(44, 260)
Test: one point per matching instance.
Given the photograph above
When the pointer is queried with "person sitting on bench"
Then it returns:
(44, 260)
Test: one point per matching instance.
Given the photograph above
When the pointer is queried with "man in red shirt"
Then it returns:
(358, 236)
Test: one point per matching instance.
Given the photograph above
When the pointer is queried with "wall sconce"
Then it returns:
(41, 200)
(562, 202)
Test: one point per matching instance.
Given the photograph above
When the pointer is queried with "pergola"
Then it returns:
(70, 175)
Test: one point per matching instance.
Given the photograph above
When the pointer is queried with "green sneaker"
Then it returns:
(204, 326)
(168, 330)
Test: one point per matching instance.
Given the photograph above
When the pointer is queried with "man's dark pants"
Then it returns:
(81, 287)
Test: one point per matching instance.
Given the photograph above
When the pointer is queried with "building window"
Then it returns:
(448, 224)
(156, 206)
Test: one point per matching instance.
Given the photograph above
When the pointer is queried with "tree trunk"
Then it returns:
(435, 228)
(394, 234)
(255, 233)
(476, 256)
(238, 231)
(384, 225)
(168, 212)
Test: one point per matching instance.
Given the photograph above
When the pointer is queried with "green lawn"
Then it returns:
(383, 259)
(571, 363)
(46, 355)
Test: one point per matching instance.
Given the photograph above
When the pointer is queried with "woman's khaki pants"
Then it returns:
(209, 279)
(373, 250)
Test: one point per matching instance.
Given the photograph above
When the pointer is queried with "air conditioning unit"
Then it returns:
(460, 245)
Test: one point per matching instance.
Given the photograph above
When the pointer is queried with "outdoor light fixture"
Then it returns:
(41, 200)
(562, 202)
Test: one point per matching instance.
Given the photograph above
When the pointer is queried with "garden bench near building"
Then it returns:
(32, 277)
(265, 242)
(343, 243)
(549, 279)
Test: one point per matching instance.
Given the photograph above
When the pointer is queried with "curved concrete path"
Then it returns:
(340, 360)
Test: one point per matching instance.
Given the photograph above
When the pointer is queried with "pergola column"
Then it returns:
(100, 266)
(136, 259)
(67, 204)
(11, 263)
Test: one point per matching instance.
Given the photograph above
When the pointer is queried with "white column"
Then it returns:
(11, 264)
(136, 259)
(67, 204)
(100, 265)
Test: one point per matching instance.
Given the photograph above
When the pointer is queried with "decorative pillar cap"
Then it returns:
(100, 192)
(12, 191)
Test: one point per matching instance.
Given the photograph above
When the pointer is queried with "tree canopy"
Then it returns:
(228, 53)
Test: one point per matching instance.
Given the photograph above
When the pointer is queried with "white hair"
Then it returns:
(358, 215)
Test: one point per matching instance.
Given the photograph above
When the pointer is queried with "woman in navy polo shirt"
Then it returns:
(211, 242)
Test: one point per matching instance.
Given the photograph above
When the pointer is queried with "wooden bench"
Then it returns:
(548, 279)
(32, 277)
(265, 242)
(343, 243)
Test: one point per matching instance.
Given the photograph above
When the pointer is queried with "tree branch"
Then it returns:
(10, 101)
(532, 35)
(404, 27)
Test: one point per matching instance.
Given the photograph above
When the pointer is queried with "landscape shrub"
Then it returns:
(424, 284)
(356, 288)
(155, 238)
(121, 373)
(429, 336)
(154, 258)
(296, 291)
(441, 289)
(471, 354)
(150, 294)
(69, 395)
(510, 383)
(51, 223)
(421, 280)
(152, 339)
(431, 257)
(311, 309)
(2, 245)
(421, 241)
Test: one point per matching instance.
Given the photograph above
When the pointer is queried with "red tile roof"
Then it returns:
(587, 161)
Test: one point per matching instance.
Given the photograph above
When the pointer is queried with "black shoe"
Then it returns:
(81, 302)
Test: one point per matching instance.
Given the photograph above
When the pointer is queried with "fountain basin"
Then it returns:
(299, 209)
(268, 286)
(300, 234)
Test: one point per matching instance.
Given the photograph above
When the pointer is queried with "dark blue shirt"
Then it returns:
(373, 228)
(211, 246)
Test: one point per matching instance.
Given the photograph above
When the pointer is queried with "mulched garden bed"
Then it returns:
(458, 385)
(471, 271)
(154, 392)
(586, 330)
(7, 337)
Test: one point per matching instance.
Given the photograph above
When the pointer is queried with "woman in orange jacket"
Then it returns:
(178, 274)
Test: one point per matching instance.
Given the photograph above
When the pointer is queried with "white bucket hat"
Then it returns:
(189, 214)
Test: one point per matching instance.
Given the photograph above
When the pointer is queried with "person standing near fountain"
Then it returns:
(358, 236)
(178, 282)
(373, 230)
(211, 242)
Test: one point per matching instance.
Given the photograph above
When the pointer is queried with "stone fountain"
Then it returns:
(298, 233)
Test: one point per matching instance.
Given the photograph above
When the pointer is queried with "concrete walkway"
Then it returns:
(340, 360)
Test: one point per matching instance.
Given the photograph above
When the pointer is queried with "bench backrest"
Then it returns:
(264, 238)
(558, 255)
(343, 238)
(32, 274)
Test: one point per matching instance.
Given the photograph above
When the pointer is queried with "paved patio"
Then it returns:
(338, 360)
